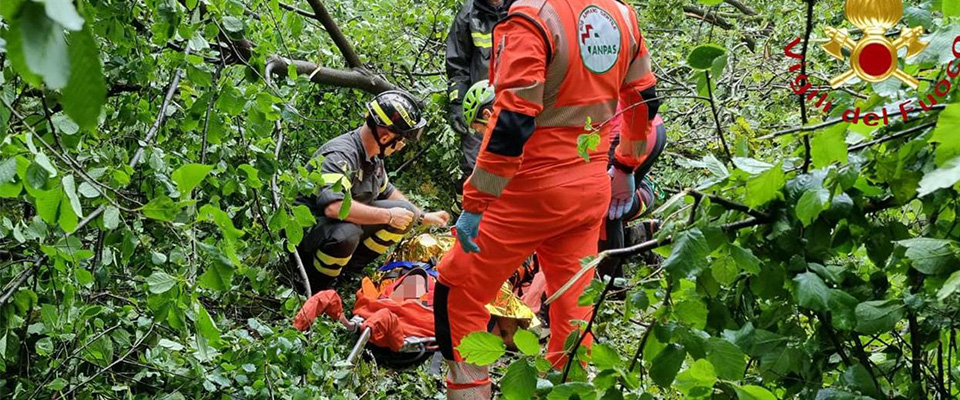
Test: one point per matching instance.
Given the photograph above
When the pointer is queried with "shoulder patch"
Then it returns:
(599, 39)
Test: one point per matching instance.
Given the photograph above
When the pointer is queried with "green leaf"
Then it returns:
(527, 342)
(44, 346)
(856, 376)
(689, 254)
(728, 360)
(520, 381)
(951, 8)
(304, 216)
(751, 166)
(481, 348)
(698, 380)
(67, 218)
(8, 170)
(605, 356)
(207, 328)
(586, 143)
(70, 190)
(345, 206)
(218, 276)
(48, 202)
(751, 392)
(64, 124)
(692, 312)
(161, 208)
(567, 390)
(232, 24)
(745, 259)
(44, 46)
(210, 212)
(716, 167)
(945, 133)
(949, 287)
(253, 178)
(811, 292)
(86, 91)
(57, 384)
(811, 204)
(943, 177)
(111, 217)
(189, 176)
(829, 146)
(159, 282)
(874, 317)
(703, 56)
(765, 187)
(664, 368)
(44, 162)
(63, 12)
(710, 2)
(36, 176)
(930, 256)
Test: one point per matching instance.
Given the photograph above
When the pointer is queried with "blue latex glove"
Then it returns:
(622, 189)
(468, 227)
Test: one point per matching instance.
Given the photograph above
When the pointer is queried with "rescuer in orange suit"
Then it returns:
(557, 65)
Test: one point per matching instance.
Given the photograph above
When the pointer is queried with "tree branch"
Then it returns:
(831, 122)
(338, 38)
(742, 7)
(898, 135)
(356, 79)
(803, 72)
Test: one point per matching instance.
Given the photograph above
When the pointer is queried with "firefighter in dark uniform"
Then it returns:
(379, 215)
(469, 45)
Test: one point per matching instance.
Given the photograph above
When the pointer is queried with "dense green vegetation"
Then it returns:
(148, 170)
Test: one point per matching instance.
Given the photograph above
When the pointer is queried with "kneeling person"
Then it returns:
(379, 214)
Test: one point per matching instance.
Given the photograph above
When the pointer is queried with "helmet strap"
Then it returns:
(376, 134)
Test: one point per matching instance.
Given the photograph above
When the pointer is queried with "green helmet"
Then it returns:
(479, 96)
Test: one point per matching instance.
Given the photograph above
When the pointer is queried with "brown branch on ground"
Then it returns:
(742, 7)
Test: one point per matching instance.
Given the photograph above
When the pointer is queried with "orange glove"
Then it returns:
(326, 302)
(385, 329)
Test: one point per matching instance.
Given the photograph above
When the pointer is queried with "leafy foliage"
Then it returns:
(149, 172)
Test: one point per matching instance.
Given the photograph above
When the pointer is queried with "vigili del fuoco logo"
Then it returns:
(873, 58)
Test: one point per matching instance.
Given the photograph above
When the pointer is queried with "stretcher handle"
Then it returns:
(350, 325)
(364, 337)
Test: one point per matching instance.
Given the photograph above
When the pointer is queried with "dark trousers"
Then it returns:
(334, 245)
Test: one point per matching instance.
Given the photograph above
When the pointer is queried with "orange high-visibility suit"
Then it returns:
(558, 64)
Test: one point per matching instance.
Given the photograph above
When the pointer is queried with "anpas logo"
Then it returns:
(874, 57)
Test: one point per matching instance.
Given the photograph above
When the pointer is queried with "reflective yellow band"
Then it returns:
(482, 40)
(383, 115)
(372, 245)
(389, 236)
(331, 260)
(331, 272)
(484, 44)
(488, 182)
(386, 181)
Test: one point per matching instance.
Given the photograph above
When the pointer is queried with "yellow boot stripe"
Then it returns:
(331, 272)
(372, 245)
(389, 236)
(331, 260)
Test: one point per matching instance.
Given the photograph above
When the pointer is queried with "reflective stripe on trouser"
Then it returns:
(560, 223)
(467, 381)
(333, 245)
